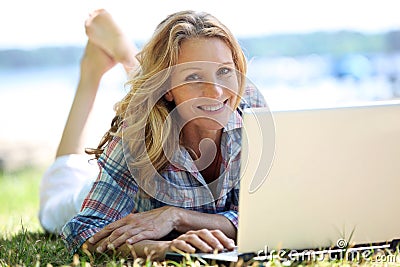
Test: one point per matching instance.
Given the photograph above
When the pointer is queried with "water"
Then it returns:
(34, 106)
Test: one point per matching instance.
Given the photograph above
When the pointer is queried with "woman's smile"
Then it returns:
(214, 108)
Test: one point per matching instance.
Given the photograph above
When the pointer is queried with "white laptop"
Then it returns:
(319, 178)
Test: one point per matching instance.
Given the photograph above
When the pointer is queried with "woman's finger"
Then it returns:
(105, 232)
(210, 239)
(227, 242)
(115, 239)
(182, 246)
(102, 245)
(98, 236)
(128, 234)
(111, 228)
(196, 241)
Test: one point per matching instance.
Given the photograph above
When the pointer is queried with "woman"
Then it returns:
(169, 169)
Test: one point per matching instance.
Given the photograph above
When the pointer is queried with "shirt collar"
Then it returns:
(234, 122)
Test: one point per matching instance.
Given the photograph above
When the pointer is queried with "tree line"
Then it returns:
(334, 44)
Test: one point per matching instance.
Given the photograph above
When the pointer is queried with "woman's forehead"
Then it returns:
(204, 50)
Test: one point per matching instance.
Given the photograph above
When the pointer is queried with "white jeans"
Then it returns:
(63, 188)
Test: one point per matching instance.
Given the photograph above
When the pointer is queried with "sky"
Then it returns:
(30, 24)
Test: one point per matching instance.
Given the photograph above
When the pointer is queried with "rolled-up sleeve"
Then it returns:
(110, 199)
(232, 216)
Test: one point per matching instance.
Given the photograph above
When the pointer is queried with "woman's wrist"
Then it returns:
(186, 220)
(179, 219)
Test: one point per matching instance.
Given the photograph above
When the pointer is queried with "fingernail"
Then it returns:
(91, 240)
(129, 241)
(99, 249)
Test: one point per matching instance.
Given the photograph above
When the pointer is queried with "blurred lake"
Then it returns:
(35, 101)
(316, 81)
(34, 108)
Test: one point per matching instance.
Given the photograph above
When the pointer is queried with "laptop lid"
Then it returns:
(334, 177)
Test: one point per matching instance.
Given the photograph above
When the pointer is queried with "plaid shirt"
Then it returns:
(116, 193)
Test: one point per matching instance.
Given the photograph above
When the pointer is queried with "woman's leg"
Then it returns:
(63, 183)
(67, 181)
(94, 64)
(104, 34)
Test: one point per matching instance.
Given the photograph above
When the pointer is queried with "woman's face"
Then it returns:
(204, 83)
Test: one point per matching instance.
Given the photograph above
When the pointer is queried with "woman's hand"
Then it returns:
(149, 225)
(204, 240)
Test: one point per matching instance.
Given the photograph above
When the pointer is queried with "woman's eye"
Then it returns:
(192, 77)
(224, 71)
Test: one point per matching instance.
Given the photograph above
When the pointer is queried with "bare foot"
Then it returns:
(103, 31)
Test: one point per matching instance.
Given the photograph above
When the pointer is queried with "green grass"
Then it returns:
(19, 195)
(23, 242)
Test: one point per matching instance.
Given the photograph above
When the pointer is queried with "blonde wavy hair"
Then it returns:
(142, 113)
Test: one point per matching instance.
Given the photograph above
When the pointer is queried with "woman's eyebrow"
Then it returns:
(227, 63)
(190, 68)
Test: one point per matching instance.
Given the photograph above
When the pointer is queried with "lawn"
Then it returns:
(20, 200)
(23, 242)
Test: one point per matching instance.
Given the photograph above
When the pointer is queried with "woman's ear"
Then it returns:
(168, 96)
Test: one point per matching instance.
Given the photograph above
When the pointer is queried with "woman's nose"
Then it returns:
(212, 90)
